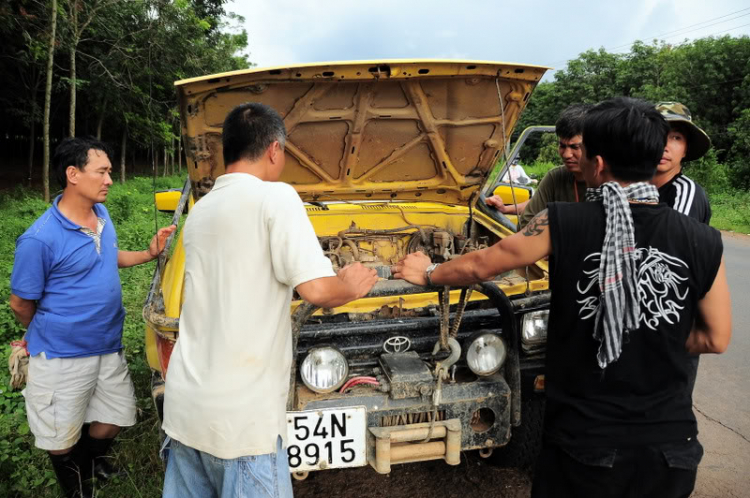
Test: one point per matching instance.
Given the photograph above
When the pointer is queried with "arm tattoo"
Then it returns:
(537, 225)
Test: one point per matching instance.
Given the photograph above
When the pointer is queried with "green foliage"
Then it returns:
(128, 56)
(709, 173)
(25, 470)
(709, 75)
(548, 152)
(739, 174)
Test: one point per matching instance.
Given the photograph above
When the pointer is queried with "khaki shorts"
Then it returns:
(64, 393)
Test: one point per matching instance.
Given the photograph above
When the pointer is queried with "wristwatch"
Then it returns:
(428, 273)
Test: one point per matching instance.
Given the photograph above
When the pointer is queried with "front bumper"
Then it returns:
(475, 415)
(471, 415)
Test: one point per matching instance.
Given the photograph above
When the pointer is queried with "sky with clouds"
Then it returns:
(543, 32)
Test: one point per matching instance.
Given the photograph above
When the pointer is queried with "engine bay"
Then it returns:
(381, 248)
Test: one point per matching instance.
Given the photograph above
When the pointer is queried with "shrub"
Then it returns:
(709, 173)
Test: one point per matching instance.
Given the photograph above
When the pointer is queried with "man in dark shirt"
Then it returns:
(686, 142)
(562, 184)
(636, 288)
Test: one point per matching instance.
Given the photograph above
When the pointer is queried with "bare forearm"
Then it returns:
(712, 328)
(466, 270)
(337, 297)
(703, 341)
(328, 292)
(518, 250)
(126, 259)
(24, 310)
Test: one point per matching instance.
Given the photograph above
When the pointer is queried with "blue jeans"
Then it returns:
(196, 474)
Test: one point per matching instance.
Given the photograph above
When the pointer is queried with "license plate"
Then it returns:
(326, 439)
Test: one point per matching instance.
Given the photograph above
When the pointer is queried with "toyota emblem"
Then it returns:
(397, 344)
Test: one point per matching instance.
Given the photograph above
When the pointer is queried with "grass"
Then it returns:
(538, 169)
(25, 470)
(731, 211)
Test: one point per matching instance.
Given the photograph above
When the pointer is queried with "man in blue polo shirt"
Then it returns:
(65, 289)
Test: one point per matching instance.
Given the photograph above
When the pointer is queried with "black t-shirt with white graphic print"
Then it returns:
(644, 397)
(687, 197)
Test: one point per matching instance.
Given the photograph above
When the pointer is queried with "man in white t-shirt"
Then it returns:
(248, 244)
(517, 174)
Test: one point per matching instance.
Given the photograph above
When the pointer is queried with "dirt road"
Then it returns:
(474, 477)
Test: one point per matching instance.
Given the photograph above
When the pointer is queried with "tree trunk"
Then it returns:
(122, 153)
(48, 99)
(73, 46)
(179, 149)
(72, 125)
(171, 156)
(165, 162)
(100, 123)
(32, 141)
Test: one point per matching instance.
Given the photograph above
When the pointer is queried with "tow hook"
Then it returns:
(442, 367)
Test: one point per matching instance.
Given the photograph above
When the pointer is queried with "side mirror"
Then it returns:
(167, 200)
(521, 193)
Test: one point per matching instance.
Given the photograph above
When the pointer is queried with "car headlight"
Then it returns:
(534, 328)
(324, 369)
(486, 354)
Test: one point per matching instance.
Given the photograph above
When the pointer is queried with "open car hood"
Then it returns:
(384, 130)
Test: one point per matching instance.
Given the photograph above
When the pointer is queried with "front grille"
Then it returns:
(411, 418)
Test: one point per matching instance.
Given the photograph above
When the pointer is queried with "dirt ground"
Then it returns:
(474, 477)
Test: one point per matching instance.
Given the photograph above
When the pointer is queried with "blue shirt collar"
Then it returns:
(64, 221)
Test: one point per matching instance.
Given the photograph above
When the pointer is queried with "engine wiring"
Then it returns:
(355, 381)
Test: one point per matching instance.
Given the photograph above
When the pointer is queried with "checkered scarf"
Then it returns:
(618, 305)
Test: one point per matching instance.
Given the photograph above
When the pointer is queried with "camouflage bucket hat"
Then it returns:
(698, 142)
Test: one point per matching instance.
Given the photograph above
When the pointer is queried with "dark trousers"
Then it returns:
(663, 471)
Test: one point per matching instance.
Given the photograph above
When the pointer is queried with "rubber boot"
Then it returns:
(97, 449)
(69, 476)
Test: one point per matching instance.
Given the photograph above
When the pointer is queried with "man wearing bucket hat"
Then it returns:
(686, 142)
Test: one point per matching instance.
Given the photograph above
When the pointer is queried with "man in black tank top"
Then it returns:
(636, 289)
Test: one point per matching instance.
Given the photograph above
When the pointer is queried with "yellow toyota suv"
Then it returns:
(390, 157)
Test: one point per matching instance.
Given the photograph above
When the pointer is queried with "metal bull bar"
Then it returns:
(399, 288)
